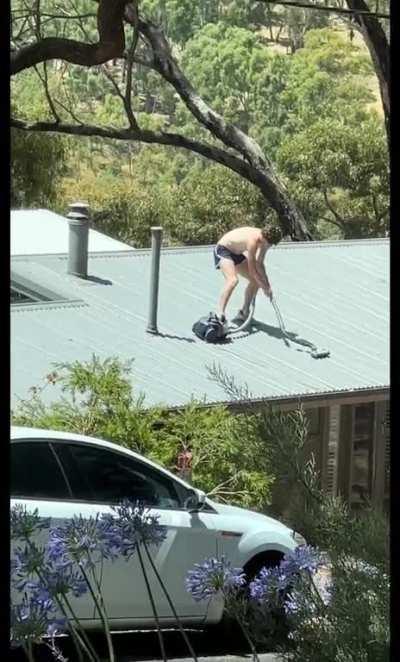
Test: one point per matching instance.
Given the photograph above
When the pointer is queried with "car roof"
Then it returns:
(38, 434)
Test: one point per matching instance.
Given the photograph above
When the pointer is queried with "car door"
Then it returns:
(38, 481)
(99, 478)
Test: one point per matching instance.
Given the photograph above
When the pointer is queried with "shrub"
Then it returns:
(228, 460)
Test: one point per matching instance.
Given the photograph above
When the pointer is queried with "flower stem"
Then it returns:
(183, 633)
(29, 651)
(249, 641)
(80, 634)
(102, 615)
(153, 606)
(75, 637)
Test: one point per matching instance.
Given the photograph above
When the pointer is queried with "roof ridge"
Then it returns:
(139, 252)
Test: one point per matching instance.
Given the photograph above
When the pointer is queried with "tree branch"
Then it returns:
(334, 222)
(45, 82)
(378, 46)
(326, 8)
(252, 164)
(333, 211)
(111, 43)
(129, 61)
(261, 168)
(211, 152)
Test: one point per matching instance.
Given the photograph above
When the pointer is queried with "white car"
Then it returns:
(64, 474)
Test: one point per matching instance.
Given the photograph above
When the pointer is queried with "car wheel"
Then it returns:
(227, 630)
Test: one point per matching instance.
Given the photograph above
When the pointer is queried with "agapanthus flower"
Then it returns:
(31, 568)
(59, 581)
(270, 584)
(291, 604)
(214, 576)
(34, 618)
(84, 540)
(25, 562)
(24, 523)
(303, 558)
(134, 524)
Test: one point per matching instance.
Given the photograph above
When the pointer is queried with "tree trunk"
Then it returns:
(378, 46)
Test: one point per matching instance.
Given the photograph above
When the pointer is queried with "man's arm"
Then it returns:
(256, 267)
(260, 266)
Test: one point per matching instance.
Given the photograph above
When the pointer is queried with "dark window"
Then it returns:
(35, 472)
(314, 420)
(362, 455)
(102, 476)
(23, 291)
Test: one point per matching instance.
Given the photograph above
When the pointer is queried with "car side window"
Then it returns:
(36, 473)
(103, 476)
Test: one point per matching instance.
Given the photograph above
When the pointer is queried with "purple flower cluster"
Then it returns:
(25, 562)
(274, 583)
(25, 523)
(132, 523)
(84, 540)
(291, 604)
(303, 559)
(214, 576)
(269, 584)
(48, 574)
(33, 618)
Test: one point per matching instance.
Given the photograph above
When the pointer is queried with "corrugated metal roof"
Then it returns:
(335, 295)
(42, 232)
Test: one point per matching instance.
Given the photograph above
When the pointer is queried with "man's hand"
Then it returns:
(268, 292)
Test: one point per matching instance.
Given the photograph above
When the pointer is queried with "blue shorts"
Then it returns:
(221, 251)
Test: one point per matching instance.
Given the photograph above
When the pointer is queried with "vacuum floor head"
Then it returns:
(320, 353)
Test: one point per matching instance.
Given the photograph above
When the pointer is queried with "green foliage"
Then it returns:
(310, 112)
(209, 202)
(339, 172)
(120, 206)
(37, 165)
(234, 72)
(353, 625)
(38, 160)
(97, 400)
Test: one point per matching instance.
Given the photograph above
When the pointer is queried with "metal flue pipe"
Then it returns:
(156, 239)
(78, 240)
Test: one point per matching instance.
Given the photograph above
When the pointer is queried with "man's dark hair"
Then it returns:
(272, 234)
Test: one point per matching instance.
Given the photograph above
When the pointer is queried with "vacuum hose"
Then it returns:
(238, 329)
(315, 352)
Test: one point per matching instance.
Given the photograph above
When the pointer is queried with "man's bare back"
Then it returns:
(239, 239)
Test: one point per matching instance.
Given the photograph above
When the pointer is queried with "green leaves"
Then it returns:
(98, 400)
(340, 173)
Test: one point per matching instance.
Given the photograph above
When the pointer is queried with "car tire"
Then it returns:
(227, 632)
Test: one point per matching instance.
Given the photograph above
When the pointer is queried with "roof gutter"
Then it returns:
(326, 399)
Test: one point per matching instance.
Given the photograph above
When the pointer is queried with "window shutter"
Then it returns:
(333, 450)
(386, 436)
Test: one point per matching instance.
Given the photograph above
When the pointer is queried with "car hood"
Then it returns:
(242, 519)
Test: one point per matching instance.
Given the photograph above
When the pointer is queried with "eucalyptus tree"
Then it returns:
(91, 34)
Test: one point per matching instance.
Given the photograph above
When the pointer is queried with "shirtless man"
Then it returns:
(241, 252)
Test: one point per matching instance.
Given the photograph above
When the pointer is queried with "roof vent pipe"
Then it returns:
(78, 220)
(156, 238)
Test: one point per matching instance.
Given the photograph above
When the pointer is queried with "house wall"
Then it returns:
(364, 456)
(351, 446)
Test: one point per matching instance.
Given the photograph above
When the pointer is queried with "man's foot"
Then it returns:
(221, 317)
(240, 318)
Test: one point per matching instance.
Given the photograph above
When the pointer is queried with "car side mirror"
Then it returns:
(195, 501)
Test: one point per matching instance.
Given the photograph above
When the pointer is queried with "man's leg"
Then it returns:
(251, 289)
(231, 280)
